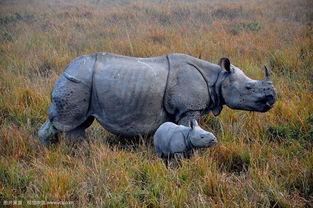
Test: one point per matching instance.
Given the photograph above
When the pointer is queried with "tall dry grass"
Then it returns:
(262, 160)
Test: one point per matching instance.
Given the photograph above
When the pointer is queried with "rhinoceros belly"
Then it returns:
(128, 94)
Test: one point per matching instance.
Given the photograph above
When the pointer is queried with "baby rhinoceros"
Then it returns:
(177, 141)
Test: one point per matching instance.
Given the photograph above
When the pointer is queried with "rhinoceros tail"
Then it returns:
(71, 94)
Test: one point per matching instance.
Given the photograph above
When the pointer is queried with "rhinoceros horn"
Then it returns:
(267, 73)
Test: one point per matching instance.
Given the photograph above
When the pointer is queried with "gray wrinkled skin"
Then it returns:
(133, 96)
(177, 141)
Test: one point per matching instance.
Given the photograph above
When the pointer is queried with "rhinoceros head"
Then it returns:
(199, 137)
(241, 92)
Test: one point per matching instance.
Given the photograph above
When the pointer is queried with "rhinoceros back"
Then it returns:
(128, 93)
(71, 94)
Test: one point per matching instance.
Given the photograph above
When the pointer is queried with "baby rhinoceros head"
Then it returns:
(201, 138)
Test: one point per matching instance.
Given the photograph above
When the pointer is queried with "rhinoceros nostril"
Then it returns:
(270, 99)
(213, 141)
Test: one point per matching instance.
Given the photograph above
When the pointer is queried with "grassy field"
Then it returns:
(261, 160)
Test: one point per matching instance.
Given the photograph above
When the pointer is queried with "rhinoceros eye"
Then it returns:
(249, 86)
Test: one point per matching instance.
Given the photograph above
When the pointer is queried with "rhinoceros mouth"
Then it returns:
(268, 106)
(212, 143)
(266, 103)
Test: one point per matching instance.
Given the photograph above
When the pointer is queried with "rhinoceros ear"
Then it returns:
(225, 64)
(193, 123)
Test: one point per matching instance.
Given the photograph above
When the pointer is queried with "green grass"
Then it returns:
(261, 160)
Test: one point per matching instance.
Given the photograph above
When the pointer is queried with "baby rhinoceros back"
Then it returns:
(171, 140)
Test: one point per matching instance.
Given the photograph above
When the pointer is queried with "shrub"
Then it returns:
(229, 12)
(6, 36)
(10, 19)
(233, 160)
(15, 18)
(291, 131)
(277, 132)
(237, 28)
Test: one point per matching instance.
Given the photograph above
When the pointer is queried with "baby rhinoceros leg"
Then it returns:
(178, 156)
(48, 134)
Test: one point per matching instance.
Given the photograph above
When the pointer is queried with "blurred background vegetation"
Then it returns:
(262, 159)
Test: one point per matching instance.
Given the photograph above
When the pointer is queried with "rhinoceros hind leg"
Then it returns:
(78, 134)
(47, 134)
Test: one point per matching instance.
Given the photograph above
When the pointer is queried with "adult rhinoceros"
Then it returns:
(133, 96)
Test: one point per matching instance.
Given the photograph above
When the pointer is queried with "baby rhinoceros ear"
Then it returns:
(225, 64)
(194, 123)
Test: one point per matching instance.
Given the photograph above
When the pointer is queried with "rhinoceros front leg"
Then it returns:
(47, 134)
(188, 116)
(78, 134)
